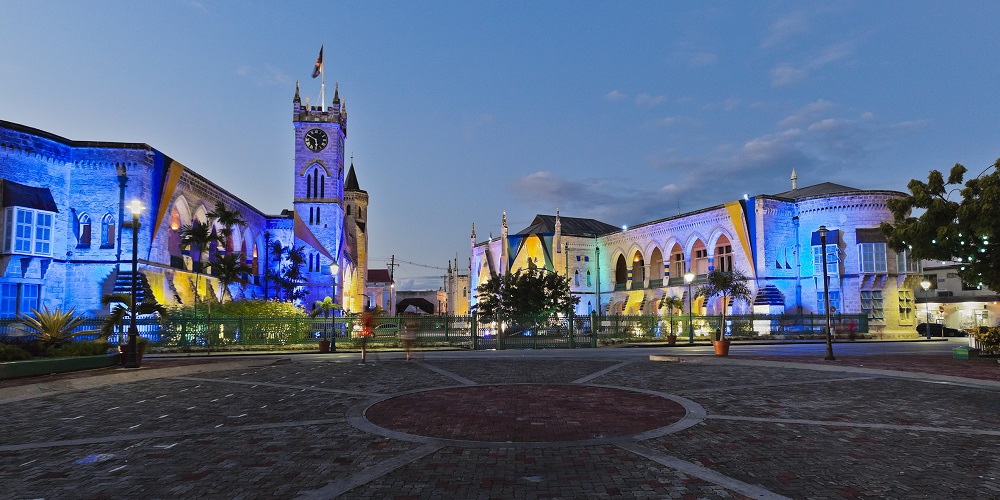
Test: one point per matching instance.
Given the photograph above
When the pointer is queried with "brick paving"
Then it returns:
(296, 429)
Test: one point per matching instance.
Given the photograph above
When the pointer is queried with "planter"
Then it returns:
(124, 353)
(45, 366)
(721, 347)
(671, 339)
(324, 346)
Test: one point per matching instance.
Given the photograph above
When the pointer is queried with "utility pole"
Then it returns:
(392, 285)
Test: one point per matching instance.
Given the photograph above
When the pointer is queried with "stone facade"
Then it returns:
(89, 243)
(772, 238)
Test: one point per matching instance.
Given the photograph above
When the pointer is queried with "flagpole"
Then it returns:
(322, 84)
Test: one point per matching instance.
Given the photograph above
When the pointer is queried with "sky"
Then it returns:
(621, 111)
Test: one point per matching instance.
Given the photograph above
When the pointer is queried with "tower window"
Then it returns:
(315, 179)
(309, 192)
(588, 278)
(576, 278)
(310, 215)
(322, 186)
(108, 231)
(348, 210)
(84, 231)
(317, 214)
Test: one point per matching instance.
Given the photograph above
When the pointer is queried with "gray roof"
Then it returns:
(569, 226)
(816, 190)
(19, 195)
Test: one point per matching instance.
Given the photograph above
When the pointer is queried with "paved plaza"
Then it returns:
(588, 423)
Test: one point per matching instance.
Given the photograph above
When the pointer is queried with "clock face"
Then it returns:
(316, 139)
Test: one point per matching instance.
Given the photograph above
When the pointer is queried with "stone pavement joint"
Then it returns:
(280, 386)
(452, 375)
(341, 486)
(706, 474)
(834, 423)
(592, 376)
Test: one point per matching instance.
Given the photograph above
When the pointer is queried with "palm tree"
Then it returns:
(326, 307)
(197, 235)
(228, 219)
(292, 274)
(726, 284)
(122, 310)
(231, 268)
(672, 303)
(276, 250)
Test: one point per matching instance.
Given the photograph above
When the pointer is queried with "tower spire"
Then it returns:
(297, 98)
(795, 180)
(336, 92)
(473, 230)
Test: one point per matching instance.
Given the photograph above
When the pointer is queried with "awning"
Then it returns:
(19, 195)
(832, 237)
(870, 235)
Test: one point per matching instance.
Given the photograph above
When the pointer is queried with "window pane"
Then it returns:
(8, 299)
(22, 233)
(29, 298)
(43, 233)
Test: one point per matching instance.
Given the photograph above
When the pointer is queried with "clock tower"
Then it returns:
(319, 195)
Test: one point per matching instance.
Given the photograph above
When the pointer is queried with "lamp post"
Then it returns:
(926, 285)
(597, 262)
(131, 353)
(826, 296)
(688, 278)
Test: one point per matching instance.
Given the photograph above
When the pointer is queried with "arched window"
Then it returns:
(309, 185)
(108, 231)
(315, 182)
(465, 290)
(322, 186)
(360, 213)
(576, 278)
(84, 231)
(310, 215)
(348, 210)
(317, 214)
(588, 278)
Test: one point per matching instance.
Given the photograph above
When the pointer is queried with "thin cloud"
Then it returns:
(806, 114)
(787, 74)
(649, 101)
(615, 96)
(785, 28)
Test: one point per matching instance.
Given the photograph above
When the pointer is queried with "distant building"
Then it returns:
(772, 238)
(67, 232)
(420, 302)
(456, 289)
(380, 290)
(951, 302)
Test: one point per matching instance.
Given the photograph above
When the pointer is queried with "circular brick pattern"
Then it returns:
(529, 413)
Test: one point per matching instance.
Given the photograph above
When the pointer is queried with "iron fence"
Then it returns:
(466, 332)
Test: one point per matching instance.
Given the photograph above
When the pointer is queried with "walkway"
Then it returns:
(603, 423)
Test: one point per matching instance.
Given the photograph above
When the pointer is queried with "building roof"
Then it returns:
(19, 195)
(379, 276)
(351, 184)
(816, 190)
(569, 226)
(423, 305)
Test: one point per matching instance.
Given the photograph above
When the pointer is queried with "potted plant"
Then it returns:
(727, 284)
(326, 307)
(122, 310)
(672, 303)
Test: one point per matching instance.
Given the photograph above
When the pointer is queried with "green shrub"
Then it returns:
(13, 353)
(245, 308)
(74, 349)
(989, 339)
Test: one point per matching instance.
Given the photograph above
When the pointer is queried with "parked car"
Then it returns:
(939, 330)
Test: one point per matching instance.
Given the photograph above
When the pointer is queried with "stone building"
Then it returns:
(68, 235)
(773, 238)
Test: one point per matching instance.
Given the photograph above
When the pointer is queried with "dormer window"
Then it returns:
(28, 231)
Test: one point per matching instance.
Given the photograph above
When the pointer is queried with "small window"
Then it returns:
(834, 302)
(311, 215)
(871, 303)
(588, 278)
(348, 210)
(309, 192)
(872, 257)
(108, 231)
(29, 298)
(322, 186)
(8, 299)
(84, 231)
(576, 278)
(317, 215)
(832, 263)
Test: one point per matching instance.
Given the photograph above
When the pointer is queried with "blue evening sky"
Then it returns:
(621, 111)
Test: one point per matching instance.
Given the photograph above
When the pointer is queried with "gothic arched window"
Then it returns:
(108, 231)
(322, 186)
(84, 231)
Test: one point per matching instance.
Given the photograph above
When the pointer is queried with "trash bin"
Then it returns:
(965, 352)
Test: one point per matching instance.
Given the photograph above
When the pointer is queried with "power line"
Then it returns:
(420, 265)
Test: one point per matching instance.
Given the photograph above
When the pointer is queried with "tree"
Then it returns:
(951, 230)
(725, 284)
(527, 292)
(228, 219)
(197, 236)
(326, 307)
(672, 303)
(291, 274)
(122, 310)
(231, 268)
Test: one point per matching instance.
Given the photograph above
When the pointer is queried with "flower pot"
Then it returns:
(324, 346)
(721, 347)
(671, 339)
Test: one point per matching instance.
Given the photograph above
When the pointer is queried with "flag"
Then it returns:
(319, 63)
(302, 232)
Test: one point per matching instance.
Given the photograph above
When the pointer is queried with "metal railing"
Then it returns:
(465, 332)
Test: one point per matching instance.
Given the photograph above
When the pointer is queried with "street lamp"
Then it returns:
(334, 269)
(131, 353)
(826, 295)
(688, 278)
(926, 285)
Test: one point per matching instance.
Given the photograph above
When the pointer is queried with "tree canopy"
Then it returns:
(527, 292)
(726, 284)
(960, 230)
